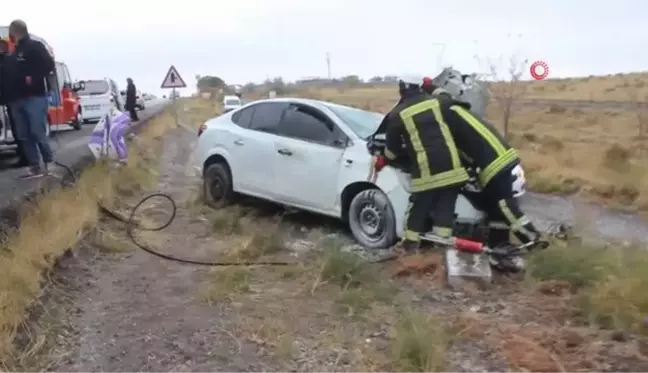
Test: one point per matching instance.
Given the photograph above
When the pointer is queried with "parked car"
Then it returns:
(231, 103)
(311, 155)
(97, 97)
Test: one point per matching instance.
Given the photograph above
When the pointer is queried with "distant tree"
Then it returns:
(249, 87)
(390, 79)
(352, 80)
(376, 79)
(209, 83)
(277, 84)
(507, 88)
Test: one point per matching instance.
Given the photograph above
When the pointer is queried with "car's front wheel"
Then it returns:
(217, 186)
(372, 220)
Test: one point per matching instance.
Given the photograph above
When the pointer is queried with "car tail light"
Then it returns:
(201, 129)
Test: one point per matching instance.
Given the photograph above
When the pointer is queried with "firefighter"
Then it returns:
(430, 88)
(418, 136)
(483, 148)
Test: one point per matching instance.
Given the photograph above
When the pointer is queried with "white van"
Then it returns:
(231, 103)
(98, 97)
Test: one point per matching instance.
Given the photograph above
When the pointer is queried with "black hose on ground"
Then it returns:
(132, 225)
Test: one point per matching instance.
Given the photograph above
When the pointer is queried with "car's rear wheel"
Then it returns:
(372, 220)
(217, 186)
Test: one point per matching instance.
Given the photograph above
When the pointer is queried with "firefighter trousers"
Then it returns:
(504, 213)
(439, 203)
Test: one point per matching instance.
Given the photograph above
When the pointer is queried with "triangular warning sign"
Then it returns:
(173, 79)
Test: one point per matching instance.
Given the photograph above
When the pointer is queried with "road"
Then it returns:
(69, 147)
(585, 104)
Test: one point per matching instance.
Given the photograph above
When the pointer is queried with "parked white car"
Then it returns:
(231, 103)
(97, 97)
(311, 155)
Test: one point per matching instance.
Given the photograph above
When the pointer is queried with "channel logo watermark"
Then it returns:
(539, 70)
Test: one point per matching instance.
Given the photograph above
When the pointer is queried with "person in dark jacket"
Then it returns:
(7, 63)
(29, 101)
(418, 133)
(483, 148)
(131, 99)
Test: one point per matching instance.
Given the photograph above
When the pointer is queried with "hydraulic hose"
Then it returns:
(132, 226)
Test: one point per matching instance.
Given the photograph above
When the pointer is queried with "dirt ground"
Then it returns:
(121, 309)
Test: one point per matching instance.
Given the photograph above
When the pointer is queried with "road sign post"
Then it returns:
(173, 80)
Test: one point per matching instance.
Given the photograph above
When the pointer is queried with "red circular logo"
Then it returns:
(539, 70)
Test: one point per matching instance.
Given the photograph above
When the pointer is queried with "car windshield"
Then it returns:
(363, 123)
(94, 87)
(232, 102)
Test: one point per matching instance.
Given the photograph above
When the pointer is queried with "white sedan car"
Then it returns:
(311, 155)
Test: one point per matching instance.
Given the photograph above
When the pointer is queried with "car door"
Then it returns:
(308, 154)
(114, 93)
(252, 148)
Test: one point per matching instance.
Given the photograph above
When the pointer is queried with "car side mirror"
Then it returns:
(78, 86)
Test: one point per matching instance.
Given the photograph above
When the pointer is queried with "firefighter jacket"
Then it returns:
(478, 142)
(417, 130)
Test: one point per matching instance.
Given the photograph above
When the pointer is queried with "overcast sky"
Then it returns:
(249, 40)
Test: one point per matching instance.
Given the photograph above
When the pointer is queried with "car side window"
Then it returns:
(266, 116)
(308, 125)
(243, 117)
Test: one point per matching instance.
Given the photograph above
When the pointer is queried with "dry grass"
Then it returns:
(609, 282)
(55, 223)
(196, 110)
(597, 88)
(597, 153)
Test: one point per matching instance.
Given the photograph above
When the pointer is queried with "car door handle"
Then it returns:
(284, 152)
(238, 142)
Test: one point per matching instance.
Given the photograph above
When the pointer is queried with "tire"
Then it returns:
(77, 122)
(372, 205)
(217, 186)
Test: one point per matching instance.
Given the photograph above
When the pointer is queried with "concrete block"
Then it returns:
(462, 267)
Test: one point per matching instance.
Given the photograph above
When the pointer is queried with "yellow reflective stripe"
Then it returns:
(447, 135)
(407, 210)
(497, 165)
(484, 132)
(516, 224)
(389, 154)
(417, 144)
(439, 91)
(411, 235)
(441, 180)
(407, 116)
(442, 231)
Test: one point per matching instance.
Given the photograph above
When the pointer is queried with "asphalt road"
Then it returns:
(584, 104)
(69, 147)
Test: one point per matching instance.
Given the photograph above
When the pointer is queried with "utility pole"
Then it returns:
(328, 64)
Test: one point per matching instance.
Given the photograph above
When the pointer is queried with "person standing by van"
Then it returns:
(6, 66)
(131, 99)
(29, 101)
